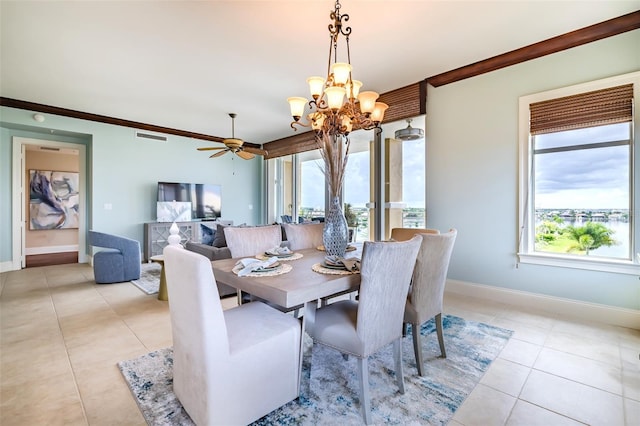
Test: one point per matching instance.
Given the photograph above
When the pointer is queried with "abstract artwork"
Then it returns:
(173, 211)
(53, 200)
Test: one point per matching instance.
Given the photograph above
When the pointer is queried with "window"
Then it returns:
(576, 180)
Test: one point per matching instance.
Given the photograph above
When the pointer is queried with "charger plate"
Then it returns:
(294, 256)
(324, 270)
(282, 269)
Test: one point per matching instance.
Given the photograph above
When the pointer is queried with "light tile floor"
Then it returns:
(61, 336)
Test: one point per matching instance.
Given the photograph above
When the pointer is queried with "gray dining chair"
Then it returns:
(249, 241)
(361, 328)
(427, 288)
(303, 236)
(252, 241)
(229, 366)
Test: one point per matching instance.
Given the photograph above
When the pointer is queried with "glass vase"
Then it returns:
(335, 235)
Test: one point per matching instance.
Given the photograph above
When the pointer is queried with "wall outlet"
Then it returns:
(108, 206)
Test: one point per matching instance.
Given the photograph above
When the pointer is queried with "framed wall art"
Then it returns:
(53, 200)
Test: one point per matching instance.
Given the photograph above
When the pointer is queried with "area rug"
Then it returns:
(330, 391)
(149, 280)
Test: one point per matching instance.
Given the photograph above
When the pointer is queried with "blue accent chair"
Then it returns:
(119, 260)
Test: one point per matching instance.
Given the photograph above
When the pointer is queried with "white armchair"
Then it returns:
(364, 327)
(233, 366)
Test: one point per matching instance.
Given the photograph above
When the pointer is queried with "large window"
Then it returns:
(577, 176)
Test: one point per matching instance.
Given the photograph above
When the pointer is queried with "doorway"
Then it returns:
(36, 244)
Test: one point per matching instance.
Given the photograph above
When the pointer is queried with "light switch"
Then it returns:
(108, 206)
(250, 206)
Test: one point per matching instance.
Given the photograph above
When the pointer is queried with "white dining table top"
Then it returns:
(291, 289)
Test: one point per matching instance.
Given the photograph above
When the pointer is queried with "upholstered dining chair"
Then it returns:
(119, 260)
(252, 240)
(302, 236)
(361, 328)
(404, 234)
(249, 242)
(232, 366)
(427, 288)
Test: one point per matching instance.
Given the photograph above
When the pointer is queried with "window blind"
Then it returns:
(606, 106)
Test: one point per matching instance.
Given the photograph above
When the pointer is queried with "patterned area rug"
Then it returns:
(149, 281)
(333, 386)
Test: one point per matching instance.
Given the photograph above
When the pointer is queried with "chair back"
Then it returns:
(302, 236)
(199, 332)
(386, 270)
(404, 234)
(250, 241)
(430, 273)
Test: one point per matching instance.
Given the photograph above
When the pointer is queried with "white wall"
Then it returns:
(472, 171)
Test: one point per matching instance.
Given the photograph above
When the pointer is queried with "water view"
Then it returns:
(616, 220)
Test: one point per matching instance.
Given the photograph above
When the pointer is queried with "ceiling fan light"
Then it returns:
(233, 143)
(409, 133)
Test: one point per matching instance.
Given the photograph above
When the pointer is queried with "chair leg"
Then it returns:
(440, 336)
(363, 375)
(397, 349)
(417, 347)
(404, 329)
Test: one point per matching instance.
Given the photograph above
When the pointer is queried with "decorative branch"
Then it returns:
(334, 150)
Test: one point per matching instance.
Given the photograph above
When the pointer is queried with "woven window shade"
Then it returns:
(597, 108)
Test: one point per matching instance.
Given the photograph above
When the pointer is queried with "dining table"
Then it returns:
(300, 286)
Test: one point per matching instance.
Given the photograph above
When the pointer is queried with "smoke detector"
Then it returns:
(409, 133)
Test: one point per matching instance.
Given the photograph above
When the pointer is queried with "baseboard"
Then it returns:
(49, 249)
(7, 266)
(586, 311)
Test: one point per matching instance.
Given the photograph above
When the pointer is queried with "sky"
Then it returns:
(595, 178)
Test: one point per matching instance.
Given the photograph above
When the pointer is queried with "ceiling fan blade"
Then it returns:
(218, 154)
(257, 151)
(245, 155)
(210, 148)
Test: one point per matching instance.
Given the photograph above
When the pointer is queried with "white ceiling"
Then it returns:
(186, 64)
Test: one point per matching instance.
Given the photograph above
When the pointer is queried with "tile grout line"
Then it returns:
(66, 349)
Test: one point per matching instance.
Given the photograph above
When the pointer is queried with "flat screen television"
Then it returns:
(205, 198)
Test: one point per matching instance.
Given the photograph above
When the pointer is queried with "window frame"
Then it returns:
(526, 210)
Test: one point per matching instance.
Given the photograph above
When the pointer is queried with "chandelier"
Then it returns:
(338, 106)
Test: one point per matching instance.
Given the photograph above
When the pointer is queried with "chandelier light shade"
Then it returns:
(337, 105)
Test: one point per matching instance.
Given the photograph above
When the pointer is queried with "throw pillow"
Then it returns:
(207, 234)
(220, 240)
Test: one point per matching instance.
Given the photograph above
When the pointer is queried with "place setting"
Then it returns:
(349, 248)
(335, 265)
(252, 267)
(281, 253)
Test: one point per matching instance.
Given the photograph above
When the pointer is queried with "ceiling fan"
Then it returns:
(234, 145)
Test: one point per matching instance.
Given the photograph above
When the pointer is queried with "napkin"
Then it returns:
(350, 263)
(279, 251)
(250, 265)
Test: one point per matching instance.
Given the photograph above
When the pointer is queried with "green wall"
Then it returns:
(472, 171)
(123, 171)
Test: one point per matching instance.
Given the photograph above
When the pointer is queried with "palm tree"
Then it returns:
(590, 236)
